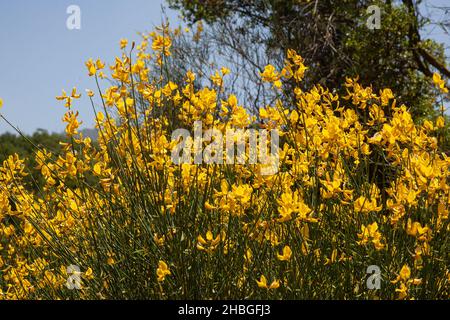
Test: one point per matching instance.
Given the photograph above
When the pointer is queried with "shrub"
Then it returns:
(121, 220)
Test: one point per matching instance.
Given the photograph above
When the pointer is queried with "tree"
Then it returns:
(26, 147)
(333, 38)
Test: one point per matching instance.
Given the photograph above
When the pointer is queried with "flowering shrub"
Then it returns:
(358, 184)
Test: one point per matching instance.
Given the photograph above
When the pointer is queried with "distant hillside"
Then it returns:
(91, 133)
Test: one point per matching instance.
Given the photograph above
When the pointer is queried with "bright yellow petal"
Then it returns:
(262, 283)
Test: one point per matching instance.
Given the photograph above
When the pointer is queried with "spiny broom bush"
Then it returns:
(141, 227)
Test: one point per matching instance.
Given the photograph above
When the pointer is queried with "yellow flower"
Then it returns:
(1, 103)
(64, 96)
(225, 71)
(110, 261)
(275, 284)
(270, 74)
(385, 95)
(440, 122)
(190, 76)
(162, 43)
(286, 255)
(217, 79)
(262, 283)
(439, 82)
(74, 94)
(294, 116)
(72, 123)
(362, 204)
(209, 206)
(162, 271)
(98, 169)
(405, 273)
(91, 67)
(402, 291)
(99, 64)
(89, 274)
(208, 245)
(371, 233)
(415, 229)
(123, 43)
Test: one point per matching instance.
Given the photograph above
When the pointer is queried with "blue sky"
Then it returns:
(40, 56)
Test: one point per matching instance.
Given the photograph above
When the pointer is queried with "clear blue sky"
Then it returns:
(40, 56)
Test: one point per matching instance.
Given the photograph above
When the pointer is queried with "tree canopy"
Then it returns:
(333, 38)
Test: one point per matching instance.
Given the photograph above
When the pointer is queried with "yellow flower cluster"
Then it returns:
(359, 183)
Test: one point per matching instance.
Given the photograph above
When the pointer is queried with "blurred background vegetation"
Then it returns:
(333, 38)
(26, 147)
